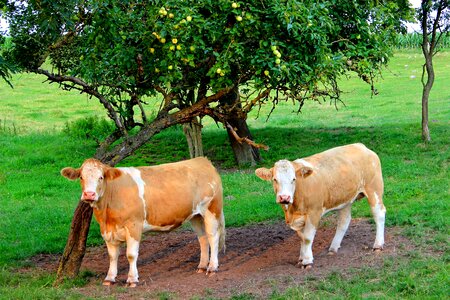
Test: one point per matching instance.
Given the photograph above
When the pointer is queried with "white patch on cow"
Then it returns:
(304, 162)
(91, 174)
(135, 174)
(285, 175)
(150, 227)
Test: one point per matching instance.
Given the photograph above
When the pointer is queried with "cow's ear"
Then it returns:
(112, 173)
(70, 173)
(264, 173)
(303, 170)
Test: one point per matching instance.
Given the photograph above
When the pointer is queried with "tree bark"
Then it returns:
(193, 133)
(70, 262)
(244, 153)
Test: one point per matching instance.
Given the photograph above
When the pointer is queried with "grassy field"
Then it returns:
(40, 134)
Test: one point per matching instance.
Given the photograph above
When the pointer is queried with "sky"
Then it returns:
(411, 27)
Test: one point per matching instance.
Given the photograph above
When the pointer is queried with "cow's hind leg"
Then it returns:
(213, 233)
(199, 228)
(378, 211)
(113, 252)
(344, 218)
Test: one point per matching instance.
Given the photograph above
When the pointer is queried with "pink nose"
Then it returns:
(284, 199)
(88, 195)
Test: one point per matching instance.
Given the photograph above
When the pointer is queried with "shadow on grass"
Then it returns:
(285, 142)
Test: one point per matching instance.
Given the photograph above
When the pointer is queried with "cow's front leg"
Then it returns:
(132, 255)
(113, 252)
(306, 254)
(302, 247)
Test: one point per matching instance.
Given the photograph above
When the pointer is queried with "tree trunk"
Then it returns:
(428, 52)
(70, 262)
(243, 152)
(425, 131)
(193, 133)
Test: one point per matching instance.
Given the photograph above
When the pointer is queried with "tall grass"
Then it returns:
(44, 130)
(414, 41)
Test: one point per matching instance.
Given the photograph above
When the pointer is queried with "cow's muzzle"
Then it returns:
(284, 199)
(89, 196)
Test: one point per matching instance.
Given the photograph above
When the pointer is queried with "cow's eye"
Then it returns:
(275, 180)
(293, 180)
(81, 178)
(101, 177)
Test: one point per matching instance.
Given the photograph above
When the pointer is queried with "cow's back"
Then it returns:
(341, 173)
(175, 191)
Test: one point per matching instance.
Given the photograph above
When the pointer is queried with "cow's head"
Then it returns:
(283, 176)
(93, 177)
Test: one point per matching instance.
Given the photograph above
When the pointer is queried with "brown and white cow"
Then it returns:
(310, 187)
(129, 201)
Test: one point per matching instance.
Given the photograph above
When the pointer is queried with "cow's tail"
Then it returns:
(222, 232)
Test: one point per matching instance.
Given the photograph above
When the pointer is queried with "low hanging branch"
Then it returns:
(245, 139)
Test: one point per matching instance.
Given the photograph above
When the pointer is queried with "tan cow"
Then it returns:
(310, 187)
(129, 201)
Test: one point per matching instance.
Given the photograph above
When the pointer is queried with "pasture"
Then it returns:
(43, 129)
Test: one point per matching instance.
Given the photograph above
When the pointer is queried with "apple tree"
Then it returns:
(192, 59)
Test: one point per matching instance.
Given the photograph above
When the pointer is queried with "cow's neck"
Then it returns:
(101, 210)
(294, 210)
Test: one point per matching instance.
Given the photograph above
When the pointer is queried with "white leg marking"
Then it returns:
(113, 252)
(379, 213)
(211, 227)
(199, 228)
(136, 176)
(309, 232)
(132, 255)
(344, 218)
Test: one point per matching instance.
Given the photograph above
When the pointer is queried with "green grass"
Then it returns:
(40, 134)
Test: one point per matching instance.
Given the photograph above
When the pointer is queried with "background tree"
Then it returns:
(219, 59)
(434, 17)
(5, 68)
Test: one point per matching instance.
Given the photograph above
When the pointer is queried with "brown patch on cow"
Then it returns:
(259, 259)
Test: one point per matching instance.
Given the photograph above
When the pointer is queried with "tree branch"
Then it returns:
(245, 139)
(86, 88)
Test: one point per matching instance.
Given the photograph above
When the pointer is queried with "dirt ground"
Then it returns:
(258, 258)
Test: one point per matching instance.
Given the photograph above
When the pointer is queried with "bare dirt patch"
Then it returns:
(257, 259)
